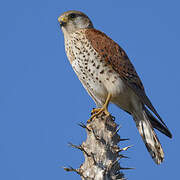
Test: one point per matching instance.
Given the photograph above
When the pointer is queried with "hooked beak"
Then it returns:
(62, 21)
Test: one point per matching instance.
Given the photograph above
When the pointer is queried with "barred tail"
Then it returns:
(149, 137)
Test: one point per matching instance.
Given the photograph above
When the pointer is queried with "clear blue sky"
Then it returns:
(42, 101)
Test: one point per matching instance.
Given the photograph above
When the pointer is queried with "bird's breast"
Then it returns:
(96, 75)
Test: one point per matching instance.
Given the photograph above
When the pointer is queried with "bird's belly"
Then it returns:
(121, 93)
(91, 82)
(99, 84)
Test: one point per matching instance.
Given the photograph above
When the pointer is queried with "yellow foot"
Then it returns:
(95, 110)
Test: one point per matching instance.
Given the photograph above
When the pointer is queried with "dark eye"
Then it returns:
(72, 15)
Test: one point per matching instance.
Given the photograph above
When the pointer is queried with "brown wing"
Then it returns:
(116, 56)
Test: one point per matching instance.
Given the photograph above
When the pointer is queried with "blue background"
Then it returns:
(42, 101)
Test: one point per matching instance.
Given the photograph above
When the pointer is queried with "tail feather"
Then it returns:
(156, 124)
(149, 137)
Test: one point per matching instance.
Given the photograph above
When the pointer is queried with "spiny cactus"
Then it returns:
(101, 150)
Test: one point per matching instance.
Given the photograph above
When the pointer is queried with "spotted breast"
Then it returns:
(96, 75)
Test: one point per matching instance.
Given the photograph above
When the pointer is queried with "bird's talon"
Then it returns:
(95, 110)
(99, 111)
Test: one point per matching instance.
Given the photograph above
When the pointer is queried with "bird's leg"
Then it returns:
(97, 111)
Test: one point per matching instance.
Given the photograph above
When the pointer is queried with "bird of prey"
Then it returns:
(107, 74)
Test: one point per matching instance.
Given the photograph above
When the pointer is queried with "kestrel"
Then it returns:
(107, 74)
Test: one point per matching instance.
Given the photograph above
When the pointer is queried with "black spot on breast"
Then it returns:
(76, 39)
(77, 48)
(102, 72)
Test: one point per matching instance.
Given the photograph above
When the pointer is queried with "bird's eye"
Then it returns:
(72, 15)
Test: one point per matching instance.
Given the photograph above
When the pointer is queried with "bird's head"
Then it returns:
(71, 21)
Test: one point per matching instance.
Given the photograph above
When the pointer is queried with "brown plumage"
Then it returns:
(112, 53)
(107, 74)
